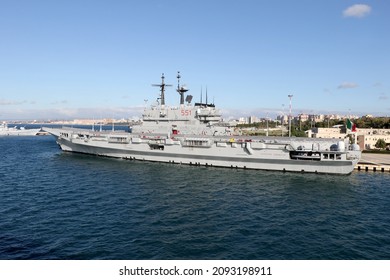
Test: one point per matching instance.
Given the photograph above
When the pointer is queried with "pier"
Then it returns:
(374, 163)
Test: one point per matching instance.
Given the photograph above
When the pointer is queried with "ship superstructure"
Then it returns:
(200, 118)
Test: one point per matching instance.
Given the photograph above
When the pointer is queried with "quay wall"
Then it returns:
(374, 162)
(374, 168)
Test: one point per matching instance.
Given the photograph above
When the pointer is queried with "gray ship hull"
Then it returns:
(278, 156)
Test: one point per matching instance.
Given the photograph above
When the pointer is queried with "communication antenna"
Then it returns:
(289, 116)
(162, 89)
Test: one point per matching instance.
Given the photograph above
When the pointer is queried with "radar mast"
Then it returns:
(162, 89)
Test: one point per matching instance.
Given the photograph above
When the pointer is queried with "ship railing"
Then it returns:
(118, 139)
(196, 142)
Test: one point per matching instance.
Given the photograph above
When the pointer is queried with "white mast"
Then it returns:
(289, 117)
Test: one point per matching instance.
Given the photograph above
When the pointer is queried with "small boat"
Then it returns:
(15, 131)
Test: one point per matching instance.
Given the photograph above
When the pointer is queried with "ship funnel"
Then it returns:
(180, 89)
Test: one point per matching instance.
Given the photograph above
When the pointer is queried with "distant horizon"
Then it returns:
(227, 114)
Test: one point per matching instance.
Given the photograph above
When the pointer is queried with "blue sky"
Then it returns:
(92, 59)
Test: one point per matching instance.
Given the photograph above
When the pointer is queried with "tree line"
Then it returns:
(298, 128)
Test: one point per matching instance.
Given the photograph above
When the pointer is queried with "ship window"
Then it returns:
(326, 156)
(331, 156)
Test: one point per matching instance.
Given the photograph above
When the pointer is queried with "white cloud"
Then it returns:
(357, 10)
(12, 102)
(70, 113)
(59, 102)
(346, 85)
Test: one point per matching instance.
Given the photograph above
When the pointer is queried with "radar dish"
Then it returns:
(188, 98)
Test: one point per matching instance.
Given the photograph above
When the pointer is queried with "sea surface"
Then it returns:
(57, 205)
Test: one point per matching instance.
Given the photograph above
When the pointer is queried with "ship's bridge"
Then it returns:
(203, 114)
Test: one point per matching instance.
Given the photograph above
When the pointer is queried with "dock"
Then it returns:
(374, 163)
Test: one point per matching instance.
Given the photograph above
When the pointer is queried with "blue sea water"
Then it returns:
(56, 205)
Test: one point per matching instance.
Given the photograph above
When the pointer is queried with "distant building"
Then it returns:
(283, 119)
(303, 117)
(242, 120)
(86, 121)
(317, 118)
(253, 119)
(322, 132)
(333, 117)
(367, 137)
